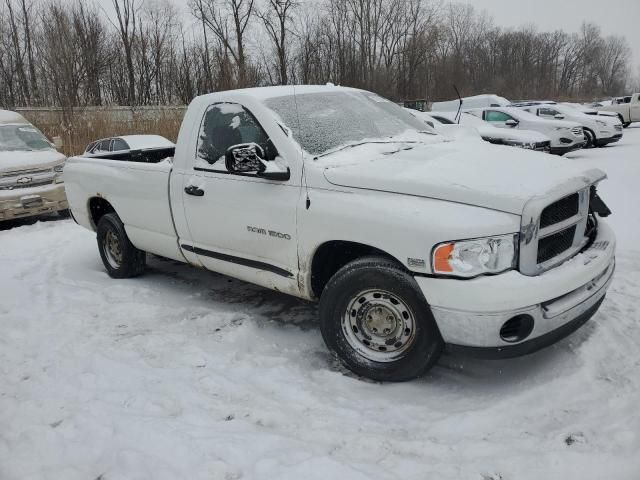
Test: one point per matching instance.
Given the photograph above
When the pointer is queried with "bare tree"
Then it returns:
(228, 21)
(127, 12)
(277, 19)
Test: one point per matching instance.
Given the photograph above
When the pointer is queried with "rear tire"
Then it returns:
(120, 258)
(375, 319)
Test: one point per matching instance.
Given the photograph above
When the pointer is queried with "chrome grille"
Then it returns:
(27, 178)
(555, 233)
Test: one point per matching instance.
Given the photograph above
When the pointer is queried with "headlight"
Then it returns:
(57, 170)
(470, 258)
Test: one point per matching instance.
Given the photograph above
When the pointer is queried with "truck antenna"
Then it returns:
(459, 106)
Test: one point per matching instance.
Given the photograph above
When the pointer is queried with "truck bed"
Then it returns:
(137, 190)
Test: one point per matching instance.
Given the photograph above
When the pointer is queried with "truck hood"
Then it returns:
(489, 176)
(26, 160)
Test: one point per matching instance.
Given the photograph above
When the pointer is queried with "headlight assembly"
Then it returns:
(470, 258)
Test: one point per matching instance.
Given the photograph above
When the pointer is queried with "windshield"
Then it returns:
(22, 138)
(330, 120)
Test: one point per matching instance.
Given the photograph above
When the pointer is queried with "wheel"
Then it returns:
(120, 257)
(374, 318)
(591, 138)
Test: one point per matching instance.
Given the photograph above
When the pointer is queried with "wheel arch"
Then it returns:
(98, 207)
(332, 255)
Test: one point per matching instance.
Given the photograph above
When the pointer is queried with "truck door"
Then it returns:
(239, 223)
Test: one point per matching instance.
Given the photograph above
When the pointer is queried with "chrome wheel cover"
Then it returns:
(112, 249)
(379, 325)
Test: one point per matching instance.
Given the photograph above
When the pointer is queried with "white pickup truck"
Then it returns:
(410, 242)
(627, 108)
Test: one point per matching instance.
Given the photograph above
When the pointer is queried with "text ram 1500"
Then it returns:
(410, 242)
(627, 108)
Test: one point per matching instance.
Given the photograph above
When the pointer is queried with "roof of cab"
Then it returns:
(263, 93)
(9, 117)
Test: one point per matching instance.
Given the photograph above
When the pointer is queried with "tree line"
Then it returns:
(72, 53)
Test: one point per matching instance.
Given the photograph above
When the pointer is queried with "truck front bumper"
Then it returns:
(27, 202)
(471, 314)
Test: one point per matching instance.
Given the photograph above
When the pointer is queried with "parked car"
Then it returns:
(30, 171)
(476, 101)
(589, 110)
(598, 131)
(409, 242)
(446, 128)
(527, 139)
(627, 108)
(576, 106)
(149, 148)
(565, 136)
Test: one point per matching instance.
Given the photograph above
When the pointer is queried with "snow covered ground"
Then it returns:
(184, 374)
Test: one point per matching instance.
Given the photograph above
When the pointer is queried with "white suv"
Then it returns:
(598, 131)
(565, 136)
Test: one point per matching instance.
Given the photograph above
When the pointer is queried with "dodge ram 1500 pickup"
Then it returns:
(411, 243)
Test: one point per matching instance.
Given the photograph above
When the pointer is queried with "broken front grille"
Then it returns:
(561, 210)
(555, 244)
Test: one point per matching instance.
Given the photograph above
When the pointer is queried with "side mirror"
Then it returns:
(559, 116)
(244, 158)
(511, 123)
(248, 158)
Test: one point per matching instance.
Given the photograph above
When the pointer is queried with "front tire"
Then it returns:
(591, 138)
(375, 319)
(120, 258)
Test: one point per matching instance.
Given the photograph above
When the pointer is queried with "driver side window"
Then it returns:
(225, 125)
(494, 116)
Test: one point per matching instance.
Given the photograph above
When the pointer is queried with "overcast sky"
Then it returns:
(619, 17)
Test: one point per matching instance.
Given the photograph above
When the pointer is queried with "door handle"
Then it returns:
(193, 190)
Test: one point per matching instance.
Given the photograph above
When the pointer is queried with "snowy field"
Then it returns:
(184, 374)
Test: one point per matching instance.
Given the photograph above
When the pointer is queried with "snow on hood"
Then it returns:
(484, 175)
(23, 160)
